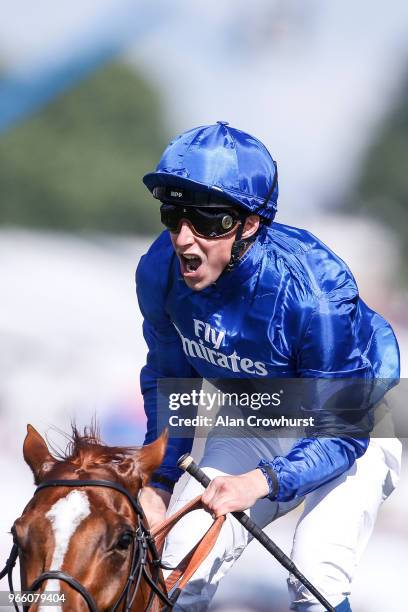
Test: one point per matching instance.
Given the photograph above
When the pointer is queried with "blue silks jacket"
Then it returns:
(290, 308)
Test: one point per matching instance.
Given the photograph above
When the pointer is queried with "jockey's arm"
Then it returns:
(310, 463)
(313, 460)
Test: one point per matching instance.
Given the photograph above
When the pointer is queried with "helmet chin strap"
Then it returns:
(238, 248)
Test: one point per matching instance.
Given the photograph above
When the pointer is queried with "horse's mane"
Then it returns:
(88, 443)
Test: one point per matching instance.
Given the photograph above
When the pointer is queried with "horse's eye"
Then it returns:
(125, 540)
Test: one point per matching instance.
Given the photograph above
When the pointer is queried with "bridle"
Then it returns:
(143, 544)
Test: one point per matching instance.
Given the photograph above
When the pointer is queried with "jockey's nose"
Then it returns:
(185, 236)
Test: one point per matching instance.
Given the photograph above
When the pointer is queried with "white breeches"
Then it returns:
(329, 539)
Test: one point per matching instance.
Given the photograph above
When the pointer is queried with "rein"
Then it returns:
(143, 544)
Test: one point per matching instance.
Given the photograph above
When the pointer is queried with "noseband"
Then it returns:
(143, 543)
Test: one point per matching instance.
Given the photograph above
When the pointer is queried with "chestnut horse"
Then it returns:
(83, 534)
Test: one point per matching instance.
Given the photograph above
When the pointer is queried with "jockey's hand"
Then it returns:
(154, 503)
(230, 493)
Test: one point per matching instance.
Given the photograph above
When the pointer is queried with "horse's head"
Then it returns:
(87, 532)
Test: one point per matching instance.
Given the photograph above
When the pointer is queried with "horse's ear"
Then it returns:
(151, 456)
(36, 454)
(136, 467)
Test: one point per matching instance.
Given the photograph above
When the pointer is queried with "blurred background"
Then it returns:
(90, 94)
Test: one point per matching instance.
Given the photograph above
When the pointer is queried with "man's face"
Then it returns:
(202, 260)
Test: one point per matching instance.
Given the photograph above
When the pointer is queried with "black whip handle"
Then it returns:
(187, 464)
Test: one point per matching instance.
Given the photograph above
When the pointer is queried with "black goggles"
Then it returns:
(206, 222)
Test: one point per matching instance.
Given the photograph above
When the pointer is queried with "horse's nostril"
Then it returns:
(13, 533)
(19, 532)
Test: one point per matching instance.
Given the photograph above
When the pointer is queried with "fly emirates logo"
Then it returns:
(205, 335)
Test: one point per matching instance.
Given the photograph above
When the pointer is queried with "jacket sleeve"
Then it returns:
(336, 345)
(165, 359)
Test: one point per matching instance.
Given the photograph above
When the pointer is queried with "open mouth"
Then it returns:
(191, 263)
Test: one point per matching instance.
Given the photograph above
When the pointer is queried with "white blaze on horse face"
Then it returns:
(65, 516)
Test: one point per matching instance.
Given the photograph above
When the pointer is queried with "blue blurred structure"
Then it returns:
(23, 94)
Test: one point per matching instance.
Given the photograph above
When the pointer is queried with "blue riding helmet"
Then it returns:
(217, 161)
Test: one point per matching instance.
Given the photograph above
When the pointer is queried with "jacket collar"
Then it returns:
(245, 268)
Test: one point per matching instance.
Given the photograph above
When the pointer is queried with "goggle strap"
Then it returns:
(236, 248)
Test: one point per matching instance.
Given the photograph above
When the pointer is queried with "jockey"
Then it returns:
(226, 292)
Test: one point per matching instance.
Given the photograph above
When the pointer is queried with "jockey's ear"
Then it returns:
(36, 454)
(251, 226)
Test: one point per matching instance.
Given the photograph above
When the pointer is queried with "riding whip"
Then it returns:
(186, 463)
